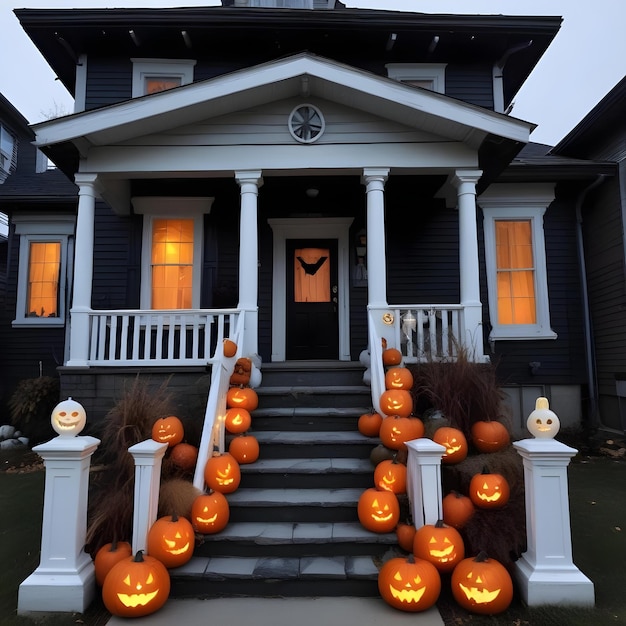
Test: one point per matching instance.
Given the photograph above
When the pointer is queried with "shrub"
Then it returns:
(31, 406)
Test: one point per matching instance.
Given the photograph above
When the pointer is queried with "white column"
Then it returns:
(148, 457)
(65, 580)
(424, 481)
(465, 183)
(374, 180)
(83, 271)
(249, 183)
(545, 572)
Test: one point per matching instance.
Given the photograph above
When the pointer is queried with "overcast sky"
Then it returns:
(586, 59)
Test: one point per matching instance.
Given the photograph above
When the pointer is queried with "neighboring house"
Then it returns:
(312, 174)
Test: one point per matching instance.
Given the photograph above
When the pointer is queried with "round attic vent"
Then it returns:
(306, 123)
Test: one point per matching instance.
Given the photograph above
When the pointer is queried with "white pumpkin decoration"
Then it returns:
(542, 422)
(68, 418)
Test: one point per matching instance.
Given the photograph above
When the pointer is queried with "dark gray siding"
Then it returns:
(108, 81)
(470, 83)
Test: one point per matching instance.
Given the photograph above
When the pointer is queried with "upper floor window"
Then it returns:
(276, 4)
(516, 260)
(154, 75)
(8, 153)
(427, 75)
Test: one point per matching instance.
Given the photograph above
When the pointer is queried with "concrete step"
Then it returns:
(329, 396)
(313, 373)
(308, 418)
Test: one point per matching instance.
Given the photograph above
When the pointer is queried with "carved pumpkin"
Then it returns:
(222, 473)
(171, 539)
(490, 436)
(409, 584)
(108, 555)
(229, 347)
(396, 402)
(245, 449)
(392, 356)
(242, 398)
(210, 513)
(168, 430)
(455, 443)
(489, 491)
(136, 586)
(398, 378)
(405, 533)
(241, 372)
(395, 431)
(542, 422)
(390, 475)
(184, 456)
(369, 424)
(482, 585)
(378, 510)
(68, 418)
(237, 420)
(440, 544)
(457, 509)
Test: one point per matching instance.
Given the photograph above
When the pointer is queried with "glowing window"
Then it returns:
(44, 268)
(161, 83)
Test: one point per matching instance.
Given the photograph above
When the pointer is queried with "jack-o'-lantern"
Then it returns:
(490, 436)
(245, 449)
(237, 420)
(136, 586)
(68, 418)
(242, 398)
(378, 510)
(457, 509)
(440, 544)
(184, 456)
(395, 431)
(229, 347)
(409, 584)
(369, 424)
(168, 430)
(405, 533)
(455, 443)
(392, 356)
(396, 402)
(489, 491)
(542, 422)
(171, 539)
(210, 513)
(390, 475)
(241, 372)
(399, 378)
(222, 473)
(108, 555)
(482, 585)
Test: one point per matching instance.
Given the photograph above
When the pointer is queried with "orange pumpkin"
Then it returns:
(455, 443)
(136, 586)
(395, 431)
(489, 491)
(369, 424)
(168, 430)
(237, 420)
(210, 513)
(490, 436)
(396, 402)
(222, 473)
(184, 456)
(242, 398)
(457, 509)
(409, 584)
(440, 544)
(405, 533)
(482, 585)
(378, 510)
(392, 356)
(398, 378)
(108, 555)
(390, 475)
(241, 372)
(230, 348)
(171, 539)
(244, 448)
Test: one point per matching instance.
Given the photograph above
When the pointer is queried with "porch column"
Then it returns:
(465, 183)
(374, 180)
(249, 183)
(83, 270)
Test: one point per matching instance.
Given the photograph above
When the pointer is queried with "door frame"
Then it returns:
(310, 228)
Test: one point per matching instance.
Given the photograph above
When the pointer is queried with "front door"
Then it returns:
(312, 330)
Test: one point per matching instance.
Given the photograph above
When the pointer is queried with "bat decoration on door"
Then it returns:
(311, 268)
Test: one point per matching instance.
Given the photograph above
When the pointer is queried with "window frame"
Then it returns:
(8, 161)
(433, 72)
(503, 202)
(42, 229)
(161, 68)
(172, 207)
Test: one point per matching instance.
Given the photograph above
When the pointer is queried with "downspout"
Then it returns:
(589, 354)
(497, 75)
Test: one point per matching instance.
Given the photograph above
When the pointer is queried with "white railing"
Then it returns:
(144, 337)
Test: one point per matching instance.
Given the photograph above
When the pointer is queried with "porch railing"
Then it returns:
(144, 337)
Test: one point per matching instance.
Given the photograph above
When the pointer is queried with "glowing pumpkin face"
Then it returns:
(222, 473)
(245, 449)
(378, 510)
(409, 584)
(542, 422)
(396, 402)
(395, 431)
(237, 420)
(398, 378)
(168, 430)
(135, 587)
(210, 513)
(482, 585)
(68, 418)
(490, 436)
(489, 491)
(390, 475)
(171, 539)
(440, 545)
(455, 443)
(243, 398)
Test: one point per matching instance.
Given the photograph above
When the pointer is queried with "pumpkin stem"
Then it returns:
(486, 470)
(439, 524)
(113, 546)
(174, 516)
(138, 557)
(482, 557)
(410, 558)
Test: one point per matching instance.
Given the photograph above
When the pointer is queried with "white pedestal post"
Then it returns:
(64, 581)
(424, 481)
(545, 572)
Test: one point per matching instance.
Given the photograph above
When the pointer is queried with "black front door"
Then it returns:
(312, 330)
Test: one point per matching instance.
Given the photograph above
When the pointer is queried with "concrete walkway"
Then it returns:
(282, 612)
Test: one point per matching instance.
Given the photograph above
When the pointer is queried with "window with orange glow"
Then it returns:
(515, 272)
(172, 263)
(312, 275)
(44, 267)
(155, 84)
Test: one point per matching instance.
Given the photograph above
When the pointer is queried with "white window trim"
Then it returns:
(176, 208)
(170, 68)
(518, 202)
(42, 229)
(434, 72)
